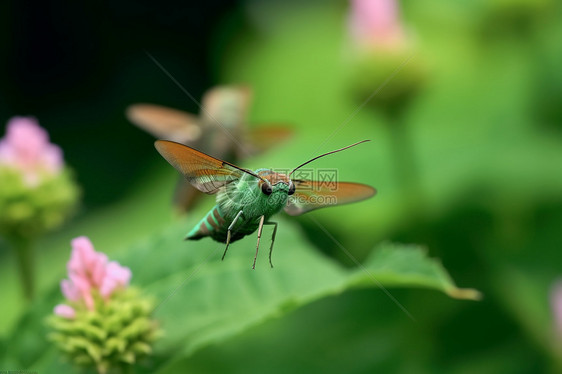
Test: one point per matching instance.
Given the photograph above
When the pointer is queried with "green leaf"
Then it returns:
(207, 300)
(398, 265)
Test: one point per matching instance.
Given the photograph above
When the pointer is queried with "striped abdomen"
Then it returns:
(216, 226)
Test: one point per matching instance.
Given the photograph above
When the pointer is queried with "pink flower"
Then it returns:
(90, 270)
(556, 305)
(26, 147)
(115, 276)
(375, 23)
(69, 290)
(65, 311)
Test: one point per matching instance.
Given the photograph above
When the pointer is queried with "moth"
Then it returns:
(220, 129)
(246, 199)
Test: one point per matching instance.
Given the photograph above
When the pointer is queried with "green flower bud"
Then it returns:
(117, 332)
(29, 211)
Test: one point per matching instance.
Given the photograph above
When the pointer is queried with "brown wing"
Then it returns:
(165, 123)
(265, 137)
(310, 195)
(206, 173)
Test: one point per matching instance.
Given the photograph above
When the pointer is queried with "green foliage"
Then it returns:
(203, 301)
(468, 136)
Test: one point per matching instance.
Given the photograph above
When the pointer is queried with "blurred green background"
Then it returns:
(466, 155)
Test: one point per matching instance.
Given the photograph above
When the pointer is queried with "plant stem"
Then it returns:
(24, 254)
(404, 159)
(405, 165)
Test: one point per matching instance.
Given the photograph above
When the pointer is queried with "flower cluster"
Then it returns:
(37, 192)
(381, 44)
(104, 323)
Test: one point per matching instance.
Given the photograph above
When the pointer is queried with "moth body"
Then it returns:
(246, 196)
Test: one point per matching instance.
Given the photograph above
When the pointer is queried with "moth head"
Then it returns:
(275, 182)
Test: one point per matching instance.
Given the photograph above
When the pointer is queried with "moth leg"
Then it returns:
(229, 233)
(260, 229)
(272, 240)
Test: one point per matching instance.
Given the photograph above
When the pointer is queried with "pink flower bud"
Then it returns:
(84, 287)
(120, 273)
(69, 290)
(116, 276)
(90, 270)
(98, 269)
(375, 23)
(26, 148)
(82, 257)
(65, 311)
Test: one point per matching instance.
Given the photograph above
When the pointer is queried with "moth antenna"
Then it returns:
(326, 154)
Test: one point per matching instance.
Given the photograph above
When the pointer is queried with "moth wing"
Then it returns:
(165, 123)
(186, 196)
(206, 173)
(311, 195)
(265, 137)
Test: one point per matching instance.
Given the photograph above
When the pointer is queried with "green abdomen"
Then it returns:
(216, 226)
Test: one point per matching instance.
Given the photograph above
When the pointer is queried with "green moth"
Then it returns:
(246, 199)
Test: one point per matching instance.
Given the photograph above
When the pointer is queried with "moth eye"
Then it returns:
(266, 189)
(292, 189)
